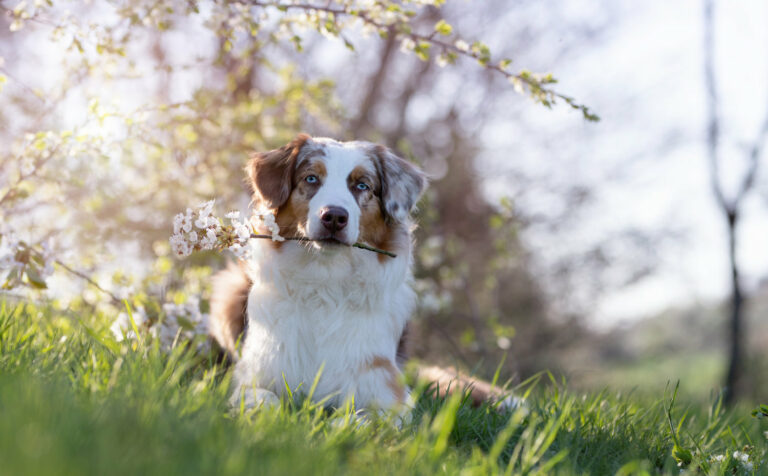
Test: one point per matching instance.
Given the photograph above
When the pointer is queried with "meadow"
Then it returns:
(73, 400)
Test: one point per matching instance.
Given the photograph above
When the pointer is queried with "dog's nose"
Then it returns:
(334, 218)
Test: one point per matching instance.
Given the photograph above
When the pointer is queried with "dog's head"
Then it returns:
(332, 191)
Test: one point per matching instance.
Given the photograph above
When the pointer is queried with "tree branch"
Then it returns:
(356, 245)
(22, 176)
(375, 81)
(89, 280)
(537, 88)
(713, 119)
(754, 160)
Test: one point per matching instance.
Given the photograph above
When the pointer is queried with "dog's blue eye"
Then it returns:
(362, 186)
(311, 179)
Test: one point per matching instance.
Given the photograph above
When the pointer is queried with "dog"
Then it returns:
(320, 307)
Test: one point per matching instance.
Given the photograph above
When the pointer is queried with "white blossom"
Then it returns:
(27, 166)
(213, 233)
(209, 240)
(242, 231)
(267, 219)
(503, 342)
(204, 222)
(239, 251)
(461, 45)
(185, 221)
(9, 246)
(407, 45)
(180, 246)
(182, 323)
(122, 328)
(177, 220)
(39, 257)
(743, 458)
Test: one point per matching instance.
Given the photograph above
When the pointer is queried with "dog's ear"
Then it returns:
(401, 184)
(270, 174)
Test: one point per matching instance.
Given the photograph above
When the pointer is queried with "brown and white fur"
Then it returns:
(323, 307)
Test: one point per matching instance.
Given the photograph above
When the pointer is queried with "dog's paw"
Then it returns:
(250, 397)
(512, 403)
(358, 419)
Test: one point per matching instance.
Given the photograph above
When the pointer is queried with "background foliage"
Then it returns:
(178, 94)
(117, 115)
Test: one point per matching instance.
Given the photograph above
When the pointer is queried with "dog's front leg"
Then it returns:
(380, 386)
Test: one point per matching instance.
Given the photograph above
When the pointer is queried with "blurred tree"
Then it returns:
(207, 83)
(730, 207)
(484, 298)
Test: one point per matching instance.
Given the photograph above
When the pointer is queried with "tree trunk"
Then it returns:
(733, 382)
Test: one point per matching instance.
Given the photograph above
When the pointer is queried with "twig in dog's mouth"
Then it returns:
(356, 245)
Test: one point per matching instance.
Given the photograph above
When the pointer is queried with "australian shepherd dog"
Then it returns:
(320, 307)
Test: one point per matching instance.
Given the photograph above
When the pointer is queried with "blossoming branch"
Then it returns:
(201, 230)
(208, 232)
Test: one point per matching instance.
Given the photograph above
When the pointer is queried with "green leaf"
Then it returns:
(760, 412)
(185, 323)
(133, 322)
(34, 278)
(422, 50)
(12, 279)
(682, 455)
(78, 45)
(443, 28)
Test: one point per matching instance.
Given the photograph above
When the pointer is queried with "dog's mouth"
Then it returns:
(331, 241)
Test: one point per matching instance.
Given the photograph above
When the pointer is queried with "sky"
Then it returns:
(646, 158)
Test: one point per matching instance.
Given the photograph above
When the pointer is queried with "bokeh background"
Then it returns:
(606, 252)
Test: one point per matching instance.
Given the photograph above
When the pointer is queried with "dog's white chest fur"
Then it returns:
(341, 311)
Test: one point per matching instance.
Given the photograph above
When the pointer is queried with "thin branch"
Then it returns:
(713, 126)
(91, 281)
(375, 82)
(356, 245)
(542, 94)
(22, 176)
(23, 86)
(754, 160)
(713, 119)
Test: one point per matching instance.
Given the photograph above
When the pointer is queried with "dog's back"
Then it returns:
(229, 300)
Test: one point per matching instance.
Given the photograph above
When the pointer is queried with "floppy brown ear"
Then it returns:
(401, 184)
(270, 173)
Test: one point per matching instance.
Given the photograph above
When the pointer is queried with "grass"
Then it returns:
(702, 371)
(74, 401)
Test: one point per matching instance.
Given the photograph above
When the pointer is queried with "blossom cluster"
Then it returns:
(181, 323)
(738, 456)
(22, 263)
(122, 329)
(267, 220)
(202, 230)
(743, 458)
